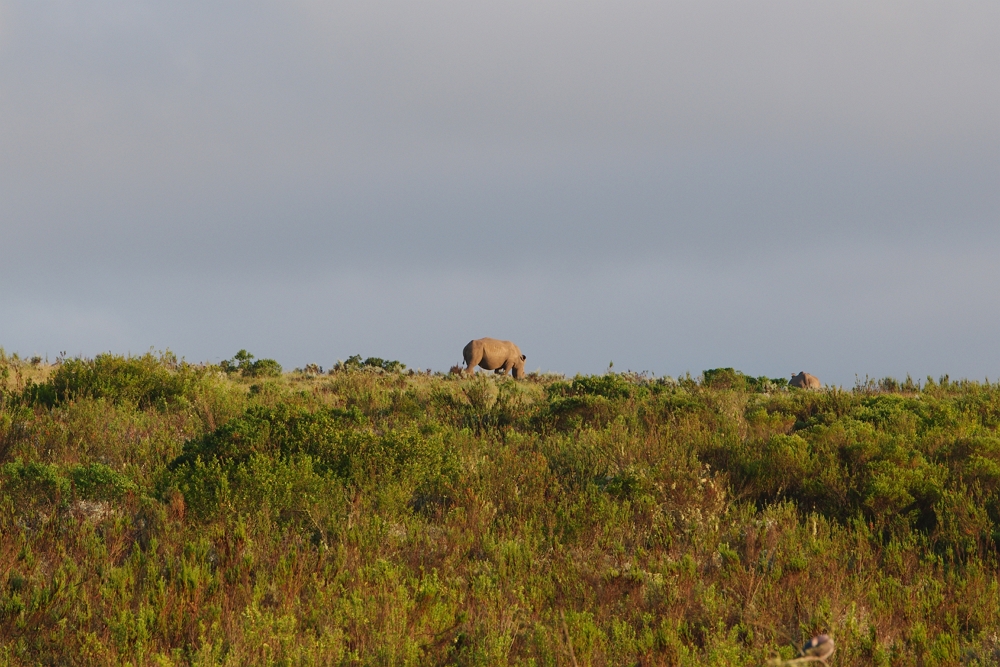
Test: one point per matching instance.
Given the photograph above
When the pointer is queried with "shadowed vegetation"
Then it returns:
(154, 512)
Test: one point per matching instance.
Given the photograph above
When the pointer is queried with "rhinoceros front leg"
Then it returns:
(472, 362)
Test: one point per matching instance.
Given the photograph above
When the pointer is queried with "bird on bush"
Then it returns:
(817, 649)
(820, 647)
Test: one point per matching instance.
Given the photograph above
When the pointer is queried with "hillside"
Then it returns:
(154, 512)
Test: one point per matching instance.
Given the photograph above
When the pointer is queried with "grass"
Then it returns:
(158, 513)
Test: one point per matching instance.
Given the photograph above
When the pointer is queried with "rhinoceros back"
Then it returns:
(805, 381)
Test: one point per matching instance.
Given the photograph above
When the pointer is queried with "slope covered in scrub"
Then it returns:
(155, 512)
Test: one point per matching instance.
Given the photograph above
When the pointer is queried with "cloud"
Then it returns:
(836, 313)
(134, 90)
(671, 71)
(249, 164)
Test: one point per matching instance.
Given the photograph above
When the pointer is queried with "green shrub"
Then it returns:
(724, 378)
(263, 368)
(390, 366)
(147, 380)
(355, 362)
(244, 364)
(14, 422)
(730, 378)
(336, 442)
(573, 412)
(281, 431)
(611, 386)
(495, 404)
(35, 484)
(99, 482)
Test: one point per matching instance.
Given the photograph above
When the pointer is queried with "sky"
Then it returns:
(668, 186)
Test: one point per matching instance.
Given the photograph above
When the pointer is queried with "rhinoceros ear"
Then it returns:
(524, 358)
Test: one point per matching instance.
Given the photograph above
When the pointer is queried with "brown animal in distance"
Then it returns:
(805, 381)
(491, 354)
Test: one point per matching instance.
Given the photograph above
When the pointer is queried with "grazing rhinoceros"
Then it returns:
(493, 354)
(805, 381)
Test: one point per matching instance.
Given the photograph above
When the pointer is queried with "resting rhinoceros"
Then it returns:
(805, 381)
(493, 354)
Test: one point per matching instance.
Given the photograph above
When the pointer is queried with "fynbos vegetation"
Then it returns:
(154, 512)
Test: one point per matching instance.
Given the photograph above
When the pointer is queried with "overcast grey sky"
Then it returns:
(775, 186)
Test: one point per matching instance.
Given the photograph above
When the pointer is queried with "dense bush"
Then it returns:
(592, 400)
(146, 380)
(386, 518)
(48, 484)
(243, 363)
(890, 459)
(610, 386)
(355, 362)
(330, 442)
(730, 378)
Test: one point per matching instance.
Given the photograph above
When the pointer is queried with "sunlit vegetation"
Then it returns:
(155, 512)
